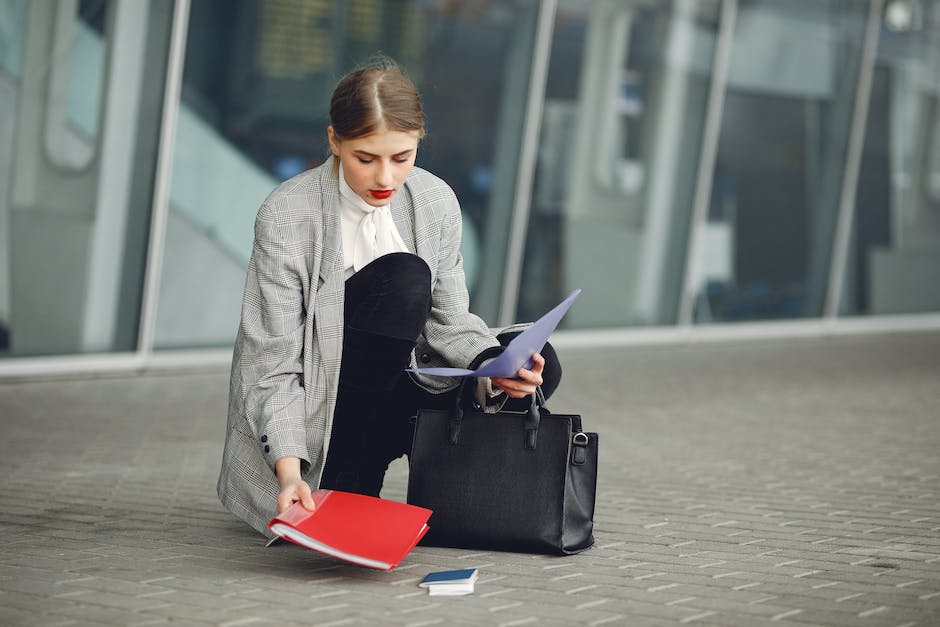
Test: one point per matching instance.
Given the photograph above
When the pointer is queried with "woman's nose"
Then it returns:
(384, 177)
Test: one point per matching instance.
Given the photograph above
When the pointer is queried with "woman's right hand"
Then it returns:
(293, 488)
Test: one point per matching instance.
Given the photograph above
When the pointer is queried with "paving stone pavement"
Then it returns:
(787, 482)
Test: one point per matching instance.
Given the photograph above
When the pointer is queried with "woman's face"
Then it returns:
(376, 165)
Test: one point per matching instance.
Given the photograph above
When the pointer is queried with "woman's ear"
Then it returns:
(334, 144)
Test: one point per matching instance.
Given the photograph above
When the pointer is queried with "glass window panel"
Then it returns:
(621, 135)
(788, 108)
(72, 120)
(894, 260)
(77, 185)
(256, 89)
(12, 30)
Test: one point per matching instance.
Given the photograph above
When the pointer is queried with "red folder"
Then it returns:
(364, 530)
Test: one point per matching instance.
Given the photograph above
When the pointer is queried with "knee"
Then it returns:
(409, 278)
(551, 374)
(390, 296)
(407, 268)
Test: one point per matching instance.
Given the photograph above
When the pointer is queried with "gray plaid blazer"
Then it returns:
(285, 369)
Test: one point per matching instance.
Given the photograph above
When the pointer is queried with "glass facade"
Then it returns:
(254, 111)
(781, 159)
(694, 162)
(81, 85)
(625, 107)
(893, 255)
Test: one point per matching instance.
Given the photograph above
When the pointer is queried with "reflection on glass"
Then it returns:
(77, 185)
(781, 157)
(895, 258)
(621, 133)
(76, 87)
(257, 82)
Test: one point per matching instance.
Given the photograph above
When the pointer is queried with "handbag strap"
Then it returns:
(530, 425)
(465, 396)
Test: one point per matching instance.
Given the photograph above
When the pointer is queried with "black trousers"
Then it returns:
(386, 308)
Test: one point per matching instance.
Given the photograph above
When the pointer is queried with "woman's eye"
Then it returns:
(361, 160)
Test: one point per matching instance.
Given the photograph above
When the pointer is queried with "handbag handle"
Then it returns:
(530, 425)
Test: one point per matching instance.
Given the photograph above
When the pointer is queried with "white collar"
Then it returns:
(368, 232)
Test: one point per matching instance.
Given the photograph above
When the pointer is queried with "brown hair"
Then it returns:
(376, 96)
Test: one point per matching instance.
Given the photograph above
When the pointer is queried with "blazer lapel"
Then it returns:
(332, 264)
(403, 215)
(426, 227)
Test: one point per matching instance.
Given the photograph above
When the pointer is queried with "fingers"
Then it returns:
(527, 381)
(295, 493)
(284, 501)
(306, 499)
(532, 378)
(511, 388)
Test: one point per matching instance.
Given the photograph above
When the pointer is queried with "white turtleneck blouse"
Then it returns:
(368, 232)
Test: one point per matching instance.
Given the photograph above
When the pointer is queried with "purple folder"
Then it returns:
(519, 351)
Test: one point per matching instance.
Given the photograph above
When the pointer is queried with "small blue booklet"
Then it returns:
(519, 351)
(450, 582)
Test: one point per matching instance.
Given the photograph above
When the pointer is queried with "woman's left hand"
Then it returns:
(526, 382)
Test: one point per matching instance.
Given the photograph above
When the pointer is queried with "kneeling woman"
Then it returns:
(355, 271)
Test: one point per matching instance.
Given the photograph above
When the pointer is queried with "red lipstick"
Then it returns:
(381, 194)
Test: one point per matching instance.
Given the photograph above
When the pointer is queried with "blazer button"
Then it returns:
(267, 449)
(425, 358)
(264, 438)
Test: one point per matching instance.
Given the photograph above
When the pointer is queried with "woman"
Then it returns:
(355, 274)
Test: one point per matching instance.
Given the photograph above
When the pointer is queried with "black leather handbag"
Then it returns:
(522, 482)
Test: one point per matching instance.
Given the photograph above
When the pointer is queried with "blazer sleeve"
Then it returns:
(269, 347)
(452, 331)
